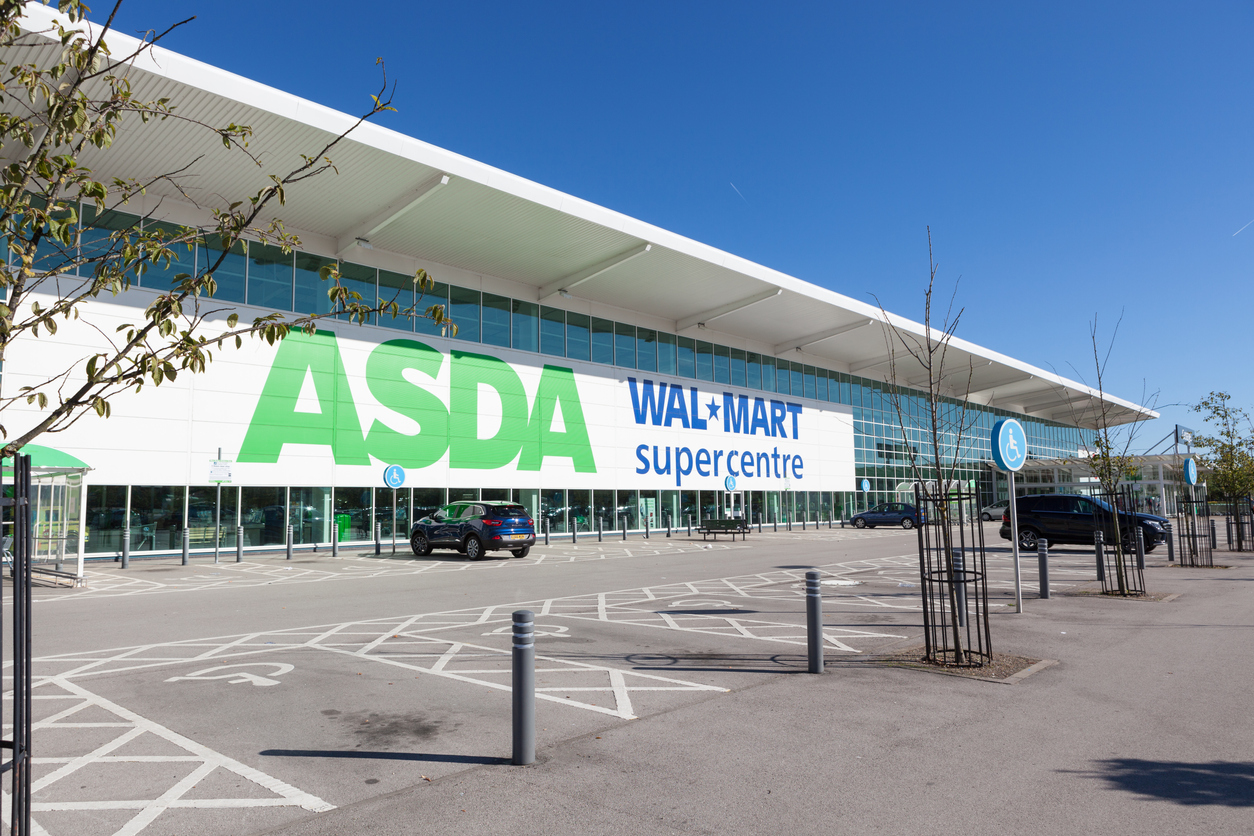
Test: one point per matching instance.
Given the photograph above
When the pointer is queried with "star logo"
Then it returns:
(714, 408)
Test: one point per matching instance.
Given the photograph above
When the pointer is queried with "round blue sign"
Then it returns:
(1010, 444)
(394, 476)
(1190, 471)
(730, 483)
(866, 485)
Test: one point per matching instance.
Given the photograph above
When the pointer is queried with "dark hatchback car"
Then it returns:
(888, 513)
(474, 529)
(1065, 518)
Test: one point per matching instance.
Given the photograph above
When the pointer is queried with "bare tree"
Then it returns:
(62, 258)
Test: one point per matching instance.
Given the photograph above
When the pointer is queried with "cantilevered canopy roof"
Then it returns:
(404, 196)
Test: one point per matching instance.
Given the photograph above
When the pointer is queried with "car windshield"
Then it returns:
(508, 510)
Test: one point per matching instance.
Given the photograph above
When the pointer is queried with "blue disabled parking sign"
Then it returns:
(394, 476)
(1010, 445)
(1190, 471)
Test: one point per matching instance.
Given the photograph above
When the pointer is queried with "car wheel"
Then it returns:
(473, 547)
(986, 517)
(523, 552)
(907, 523)
(859, 523)
(1028, 539)
(420, 544)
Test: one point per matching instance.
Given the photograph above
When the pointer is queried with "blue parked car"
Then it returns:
(474, 529)
(889, 513)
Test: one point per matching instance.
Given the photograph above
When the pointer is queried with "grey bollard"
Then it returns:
(239, 544)
(1228, 531)
(688, 517)
(291, 535)
(1140, 549)
(378, 539)
(803, 522)
(775, 524)
(759, 523)
(574, 531)
(187, 543)
(1099, 549)
(126, 547)
(1214, 540)
(335, 542)
(624, 527)
(546, 531)
(523, 686)
(960, 587)
(600, 526)
(668, 526)
(646, 526)
(790, 522)
(1171, 543)
(814, 621)
(1042, 565)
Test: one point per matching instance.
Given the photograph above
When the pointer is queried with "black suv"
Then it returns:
(1066, 518)
(474, 529)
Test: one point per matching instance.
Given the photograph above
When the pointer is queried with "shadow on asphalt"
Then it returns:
(390, 756)
(1221, 783)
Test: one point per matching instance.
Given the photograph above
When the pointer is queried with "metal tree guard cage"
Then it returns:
(1238, 524)
(1193, 533)
(1114, 516)
(19, 537)
(954, 580)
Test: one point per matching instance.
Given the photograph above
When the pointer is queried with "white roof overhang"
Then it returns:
(408, 197)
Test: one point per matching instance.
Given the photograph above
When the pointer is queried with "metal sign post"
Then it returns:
(1010, 453)
(394, 478)
(219, 472)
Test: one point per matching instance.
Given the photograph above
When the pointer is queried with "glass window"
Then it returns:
(783, 374)
(464, 304)
(262, 516)
(809, 384)
(398, 288)
(738, 367)
(106, 517)
(353, 519)
(311, 290)
(437, 295)
(627, 509)
(553, 331)
(426, 501)
(182, 257)
(526, 325)
(603, 509)
(666, 353)
(580, 503)
(202, 505)
(95, 241)
(602, 341)
(229, 275)
(624, 345)
(383, 498)
(363, 281)
(156, 517)
(646, 350)
(797, 387)
(722, 364)
(820, 380)
(578, 336)
(753, 370)
(552, 511)
(705, 361)
(309, 514)
(687, 352)
(496, 320)
(270, 277)
(768, 373)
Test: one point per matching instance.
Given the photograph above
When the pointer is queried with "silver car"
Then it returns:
(994, 511)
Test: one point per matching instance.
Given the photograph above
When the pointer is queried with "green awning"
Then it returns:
(48, 457)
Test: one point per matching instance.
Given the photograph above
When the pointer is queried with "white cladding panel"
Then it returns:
(170, 434)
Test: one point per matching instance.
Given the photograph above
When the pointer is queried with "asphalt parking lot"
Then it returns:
(371, 695)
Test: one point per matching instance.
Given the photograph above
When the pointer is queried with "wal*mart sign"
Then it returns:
(448, 415)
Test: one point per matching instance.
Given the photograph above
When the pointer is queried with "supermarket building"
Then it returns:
(603, 368)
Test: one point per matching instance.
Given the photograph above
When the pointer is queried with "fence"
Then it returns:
(954, 581)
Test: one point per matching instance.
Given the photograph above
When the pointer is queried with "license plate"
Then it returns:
(518, 536)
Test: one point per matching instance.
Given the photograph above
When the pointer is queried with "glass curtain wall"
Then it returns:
(353, 514)
(157, 517)
(263, 516)
(310, 515)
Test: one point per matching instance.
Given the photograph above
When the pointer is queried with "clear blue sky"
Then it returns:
(1072, 159)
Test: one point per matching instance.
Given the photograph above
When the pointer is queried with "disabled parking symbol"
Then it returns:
(234, 676)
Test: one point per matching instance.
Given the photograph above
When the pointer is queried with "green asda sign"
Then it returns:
(526, 431)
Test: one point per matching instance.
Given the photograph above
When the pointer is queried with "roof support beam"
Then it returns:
(723, 310)
(821, 336)
(588, 273)
(862, 365)
(1018, 378)
(1054, 398)
(360, 234)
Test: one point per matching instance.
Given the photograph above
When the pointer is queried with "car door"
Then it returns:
(1052, 518)
(444, 530)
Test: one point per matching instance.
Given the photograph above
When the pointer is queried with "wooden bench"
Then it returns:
(717, 527)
